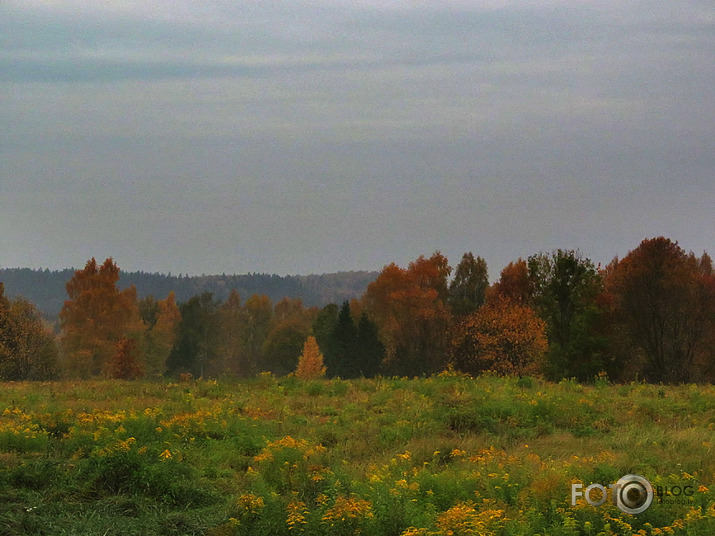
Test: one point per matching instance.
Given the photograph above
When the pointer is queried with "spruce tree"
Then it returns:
(344, 341)
(370, 351)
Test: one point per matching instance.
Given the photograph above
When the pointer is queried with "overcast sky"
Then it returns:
(310, 136)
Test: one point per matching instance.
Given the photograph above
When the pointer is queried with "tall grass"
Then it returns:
(389, 456)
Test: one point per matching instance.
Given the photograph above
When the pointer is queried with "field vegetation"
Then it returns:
(441, 455)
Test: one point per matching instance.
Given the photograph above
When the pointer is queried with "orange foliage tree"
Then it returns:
(409, 306)
(96, 316)
(513, 284)
(27, 346)
(502, 337)
(662, 303)
(310, 363)
(124, 365)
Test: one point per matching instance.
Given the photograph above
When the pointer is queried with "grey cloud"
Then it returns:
(313, 136)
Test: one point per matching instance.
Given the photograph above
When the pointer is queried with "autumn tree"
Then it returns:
(148, 311)
(125, 365)
(664, 298)
(96, 316)
(288, 309)
(467, 289)
(27, 346)
(310, 364)
(432, 273)
(513, 284)
(161, 330)
(503, 337)
(410, 309)
(257, 324)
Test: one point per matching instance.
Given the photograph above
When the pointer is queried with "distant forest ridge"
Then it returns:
(46, 289)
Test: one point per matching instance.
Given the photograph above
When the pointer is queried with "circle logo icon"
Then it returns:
(633, 494)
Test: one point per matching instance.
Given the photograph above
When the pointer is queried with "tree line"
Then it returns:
(649, 316)
(46, 288)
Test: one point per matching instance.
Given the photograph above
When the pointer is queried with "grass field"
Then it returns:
(438, 456)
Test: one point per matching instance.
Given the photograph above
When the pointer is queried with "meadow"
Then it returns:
(445, 455)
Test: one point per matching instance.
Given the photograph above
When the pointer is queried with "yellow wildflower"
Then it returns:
(250, 504)
(347, 509)
(296, 515)
(406, 456)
